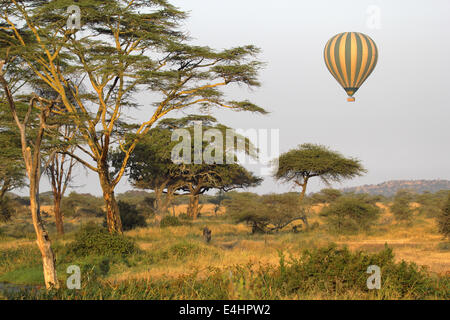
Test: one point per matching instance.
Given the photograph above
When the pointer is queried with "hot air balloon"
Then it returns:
(351, 57)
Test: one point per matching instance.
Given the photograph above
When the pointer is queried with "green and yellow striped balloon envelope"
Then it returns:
(351, 57)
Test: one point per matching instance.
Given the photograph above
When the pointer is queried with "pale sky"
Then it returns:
(399, 125)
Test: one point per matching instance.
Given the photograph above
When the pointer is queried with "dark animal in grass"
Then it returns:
(207, 234)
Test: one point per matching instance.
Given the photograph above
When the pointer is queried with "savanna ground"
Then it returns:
(175, 263)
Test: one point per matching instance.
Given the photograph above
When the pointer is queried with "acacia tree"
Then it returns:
(151, 165)
(124, 47)
(213, 172)
(31, 137)
(307, 161)
(59, 173)
(63, 141)
(31, 115)
(12, 172)
(202, 178)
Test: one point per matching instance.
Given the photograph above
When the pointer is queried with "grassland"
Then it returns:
(178, 257)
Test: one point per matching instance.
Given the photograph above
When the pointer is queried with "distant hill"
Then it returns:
(389, 188)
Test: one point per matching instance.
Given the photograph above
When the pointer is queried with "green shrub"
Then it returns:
(430, 211)
(170, 221)
(337, 271)
(325, 196)
(430, 203)
(6, 210)
(76, 205)
(94, 240)
(130, 216)
(24, 256)
(94, 269)
(444, 219)
(185, 219)
(19, 230)
(185, 249)
(400, 207)
(350, 214)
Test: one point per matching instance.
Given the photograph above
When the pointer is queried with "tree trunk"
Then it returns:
(169, 200)
(58, 216)
(196, 207)
(42, 238)
(112, 209)
(193, 206)
(190, 206)
(303, 193)
(163, 203)
(302, 197)
(158, 201)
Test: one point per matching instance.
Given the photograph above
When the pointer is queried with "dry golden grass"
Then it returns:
(206, 209)
(416, 243)
(48, 209)
(234, 245)
(12, 244)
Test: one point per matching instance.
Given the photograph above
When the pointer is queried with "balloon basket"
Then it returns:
(351, 99)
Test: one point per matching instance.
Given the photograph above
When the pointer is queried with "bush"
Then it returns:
(94, 240)
(430, 211)
(400, 207)
(325, 196)
(6, 210)
(185, 249)
(266, 213)
(430, 204)
(350, 214)
(184, 216)
(130, 216)
(170, 221)
(19, 230)
(444, 219)
(94, 269)
(337, 271)
(75, 205)
(367, 198)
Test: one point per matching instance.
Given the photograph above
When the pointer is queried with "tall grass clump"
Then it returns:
(95, 240)
(170, 221)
